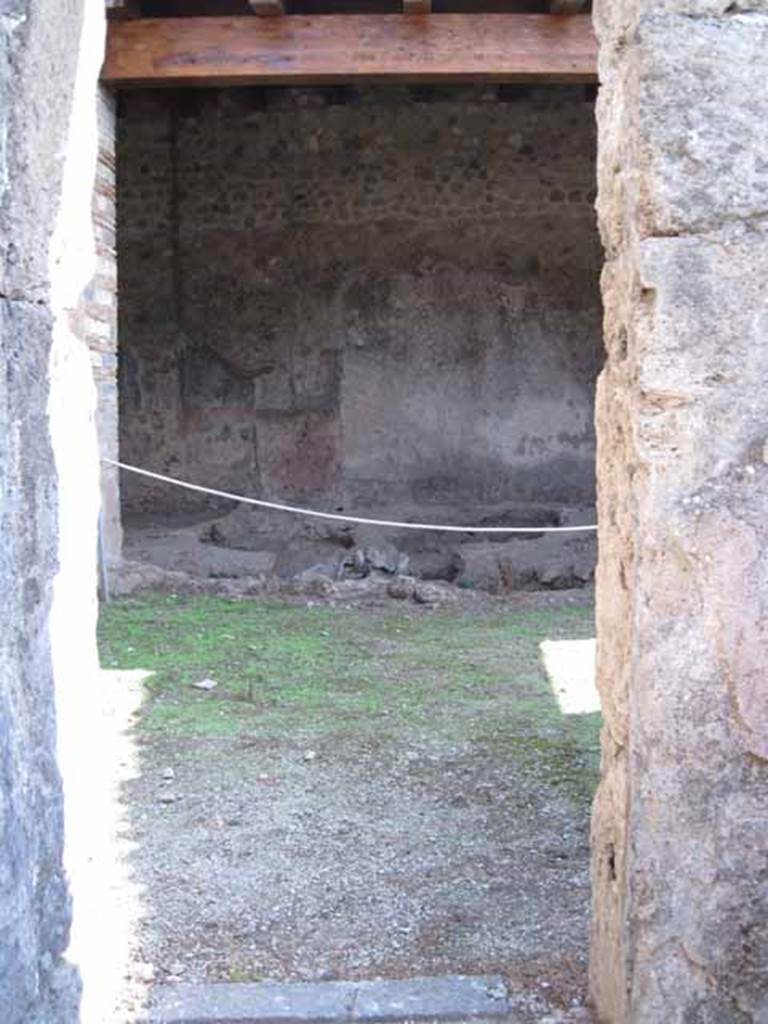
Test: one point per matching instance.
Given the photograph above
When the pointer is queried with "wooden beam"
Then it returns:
(417, 6)
(350, 48)
(267, 8)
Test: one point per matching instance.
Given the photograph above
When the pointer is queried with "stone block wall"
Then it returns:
(680, 868)
(361, 297)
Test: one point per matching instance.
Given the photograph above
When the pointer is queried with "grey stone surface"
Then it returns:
(386, 295)
(34, 904)
(680, 901)
(693, 157)
(33, 118)
(224, 1003)
(36, 987)
(617, 22)
(450, 998)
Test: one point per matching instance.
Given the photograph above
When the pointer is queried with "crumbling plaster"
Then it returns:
(362, 296)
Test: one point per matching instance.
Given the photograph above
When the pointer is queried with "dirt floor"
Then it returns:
(370, 789)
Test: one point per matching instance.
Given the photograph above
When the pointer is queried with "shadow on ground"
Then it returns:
(369, 790)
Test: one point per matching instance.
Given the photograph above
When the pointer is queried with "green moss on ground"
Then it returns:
(378, 673)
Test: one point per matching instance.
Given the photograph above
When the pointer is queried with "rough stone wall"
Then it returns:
(387, 295)
(680, 871)
(42, 275)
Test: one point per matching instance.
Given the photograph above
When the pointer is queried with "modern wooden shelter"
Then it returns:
(247, 42)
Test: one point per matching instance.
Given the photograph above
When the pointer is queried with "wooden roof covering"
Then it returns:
(236, 8)
(223, 43)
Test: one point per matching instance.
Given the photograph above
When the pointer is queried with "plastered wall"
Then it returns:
(359, 296)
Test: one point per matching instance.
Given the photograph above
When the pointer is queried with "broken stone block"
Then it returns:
(401, 588)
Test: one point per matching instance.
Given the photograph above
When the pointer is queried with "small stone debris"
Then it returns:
(167, 798)
(312, 584)
(432, 593)
(168, 774)
(205, 684)
(310, 755)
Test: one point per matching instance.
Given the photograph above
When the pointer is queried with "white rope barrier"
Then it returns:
(337, 517)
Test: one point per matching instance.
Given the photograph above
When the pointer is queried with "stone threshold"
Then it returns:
(459, 998)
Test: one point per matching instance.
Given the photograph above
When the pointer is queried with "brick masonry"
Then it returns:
(98, 324)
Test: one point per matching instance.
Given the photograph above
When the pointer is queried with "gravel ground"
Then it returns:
(390, 844)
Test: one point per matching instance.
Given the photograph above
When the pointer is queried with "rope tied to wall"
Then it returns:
(339, 517)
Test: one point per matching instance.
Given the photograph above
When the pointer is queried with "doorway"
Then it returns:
(368, 752)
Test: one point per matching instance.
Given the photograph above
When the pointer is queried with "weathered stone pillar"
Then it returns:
(49, 60)
(680, 831)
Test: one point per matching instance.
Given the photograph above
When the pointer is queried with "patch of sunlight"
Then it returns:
(570, 666)
(108, 901)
